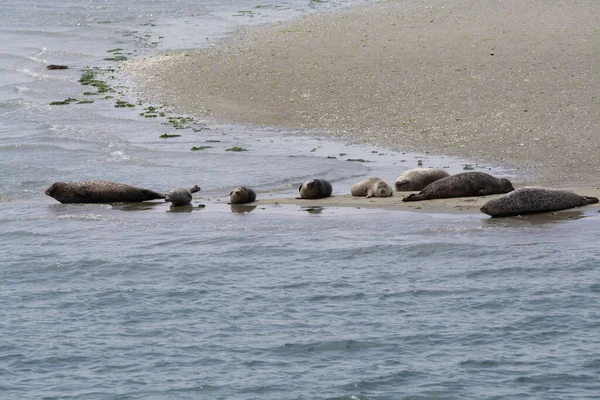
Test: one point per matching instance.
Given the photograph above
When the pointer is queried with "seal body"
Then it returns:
(315, 189)
(181, 196)
(97, 191)
(242, 195)
(466, 184)
(372, 187)
(534, 200)
(418, 178)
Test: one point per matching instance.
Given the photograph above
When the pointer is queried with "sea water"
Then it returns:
(270, 302)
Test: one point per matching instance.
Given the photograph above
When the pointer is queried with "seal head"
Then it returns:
(242, 195)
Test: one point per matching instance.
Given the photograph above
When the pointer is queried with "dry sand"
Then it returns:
(508, 82)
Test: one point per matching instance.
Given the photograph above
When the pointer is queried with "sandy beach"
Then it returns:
(512, 83)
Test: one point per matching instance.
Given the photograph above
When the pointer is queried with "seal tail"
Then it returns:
(414, 197)
(590, 200)
(195, 189)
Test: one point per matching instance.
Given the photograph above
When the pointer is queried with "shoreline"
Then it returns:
(512, 84)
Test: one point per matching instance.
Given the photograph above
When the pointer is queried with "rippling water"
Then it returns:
(273, 302)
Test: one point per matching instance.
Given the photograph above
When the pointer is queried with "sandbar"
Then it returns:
(509, 82)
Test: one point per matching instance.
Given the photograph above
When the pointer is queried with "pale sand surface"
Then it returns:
(470, 205)
(510, 82)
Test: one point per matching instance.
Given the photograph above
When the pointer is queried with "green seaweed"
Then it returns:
(357, 160)
(166, 135)
(85, 102)
(196, 148)
(116, 58)
(114, 50)
(64, 102)
(123, 104)
(236, 149)
(213, 141)
(89, 79)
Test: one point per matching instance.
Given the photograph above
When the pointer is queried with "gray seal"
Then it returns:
(530, 200)
(315, 189)
(242, 195)
(181, 196)
(418, 178)
(466, 184)
(372, 187)
(98, 191)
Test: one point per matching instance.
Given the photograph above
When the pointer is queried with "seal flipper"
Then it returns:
(195, 189)
(414, 197)
(591, 200)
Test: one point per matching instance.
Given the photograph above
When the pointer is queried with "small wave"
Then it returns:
(334, 345)
(88, 217)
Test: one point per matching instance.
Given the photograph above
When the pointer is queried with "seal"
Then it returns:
(418, 178)
(97, 191)
(529, 200)
(466, 184)
(181, 196)
(315, 189)
(242, 195)
(371, 187)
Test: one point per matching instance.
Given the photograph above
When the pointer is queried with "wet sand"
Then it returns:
(513, 83)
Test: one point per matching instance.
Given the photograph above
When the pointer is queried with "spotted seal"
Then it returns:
(242, 195)
(315, 189)
(98, 191)
(181, 196)
(418, 178)
(462, 185)
(371, 187)
(530, 200)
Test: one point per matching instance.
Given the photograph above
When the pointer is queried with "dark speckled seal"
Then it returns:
(530, 200)
(467, 184)
(98, 191)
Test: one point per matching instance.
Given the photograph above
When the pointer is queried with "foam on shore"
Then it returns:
(507, 82)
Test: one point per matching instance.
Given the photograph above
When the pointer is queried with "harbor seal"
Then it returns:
(372, 187)
(242, 195)
(181, 196)
(315, 189)
(98, 191)
(466, 184)
(418, 178)
(530, 200)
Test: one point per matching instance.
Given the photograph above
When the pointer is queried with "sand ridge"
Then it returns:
(509, 82)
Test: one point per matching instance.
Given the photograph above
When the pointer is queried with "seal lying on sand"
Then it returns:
(418, 178)
(315, 189)
(533, 200)
(100, 192)
(372, 187)
(242, 195)
(181, 196)
(466, 184)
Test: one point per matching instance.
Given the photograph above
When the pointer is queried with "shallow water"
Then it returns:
(273, 302)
